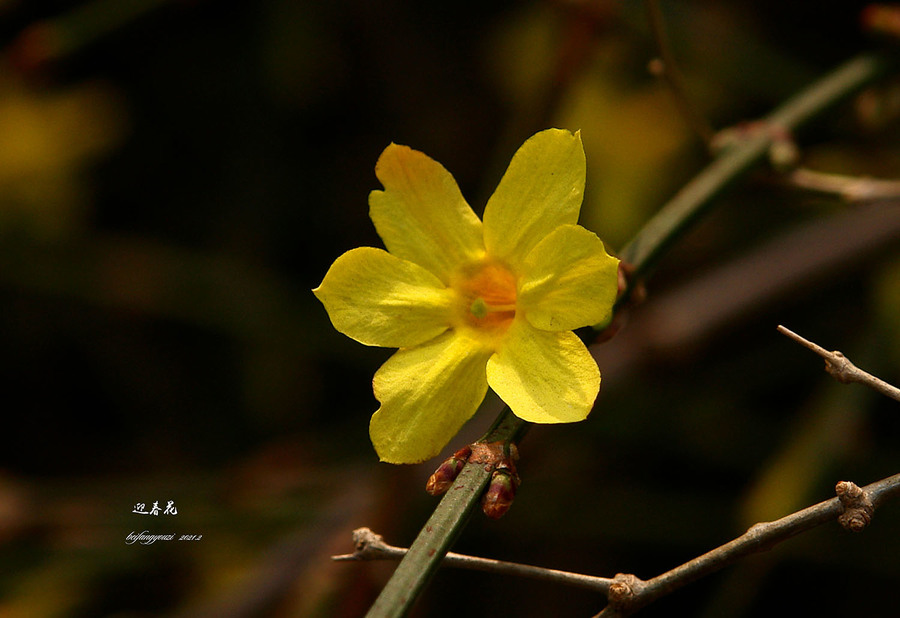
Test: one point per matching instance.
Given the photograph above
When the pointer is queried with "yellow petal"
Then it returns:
(544, 377)
(568, 281)
(541, 190)
(421, 216)
(378, 299)
(426, 395)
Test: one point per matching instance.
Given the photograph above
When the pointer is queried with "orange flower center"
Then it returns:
(487, 297)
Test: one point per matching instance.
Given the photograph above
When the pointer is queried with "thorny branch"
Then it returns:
(841, 369)
(853, 508)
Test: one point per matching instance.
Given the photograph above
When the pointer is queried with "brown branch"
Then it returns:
(853, 508)
(371, 546)
(851, 189)
(841, 369)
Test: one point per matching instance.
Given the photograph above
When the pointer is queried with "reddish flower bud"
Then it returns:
(501, 492)
(443, 477)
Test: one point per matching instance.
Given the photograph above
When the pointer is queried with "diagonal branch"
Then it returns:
(852, 507)
(841, 369)
(696, 197)
(445, 524)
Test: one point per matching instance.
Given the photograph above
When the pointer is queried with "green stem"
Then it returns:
(434, 541)
(696, 197)
(651, 242)
(444, 525)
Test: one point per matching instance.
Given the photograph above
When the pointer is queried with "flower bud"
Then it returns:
(443, 477)
(501, 492)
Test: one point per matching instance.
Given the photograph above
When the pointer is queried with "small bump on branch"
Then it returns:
(624, 590)
(853, 507)
(841, 369)
(858, 507)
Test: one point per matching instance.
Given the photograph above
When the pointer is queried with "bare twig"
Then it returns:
(851, 189)
(371, 546)
(665, 68)
(630, 593)
(853, 508)
(841, 369)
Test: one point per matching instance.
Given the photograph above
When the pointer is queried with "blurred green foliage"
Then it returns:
(176, 177)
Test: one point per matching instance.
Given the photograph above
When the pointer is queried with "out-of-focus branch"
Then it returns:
(852, 189)
(666, 69)
(693, 200)
(58, 37)
(819, 251)
(841, 369)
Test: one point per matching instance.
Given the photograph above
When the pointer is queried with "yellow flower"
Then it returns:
(473, 304)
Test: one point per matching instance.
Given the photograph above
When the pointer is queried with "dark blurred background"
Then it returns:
(175, 176)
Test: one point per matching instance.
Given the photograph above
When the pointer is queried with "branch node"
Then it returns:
(858, 507)
(631, 293)
(783, 152)
(840, 368)
(366, 546)
(364, 537)
(624, 591)
(488, 454)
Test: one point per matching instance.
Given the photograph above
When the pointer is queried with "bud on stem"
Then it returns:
(501, 492)
(439, 482)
